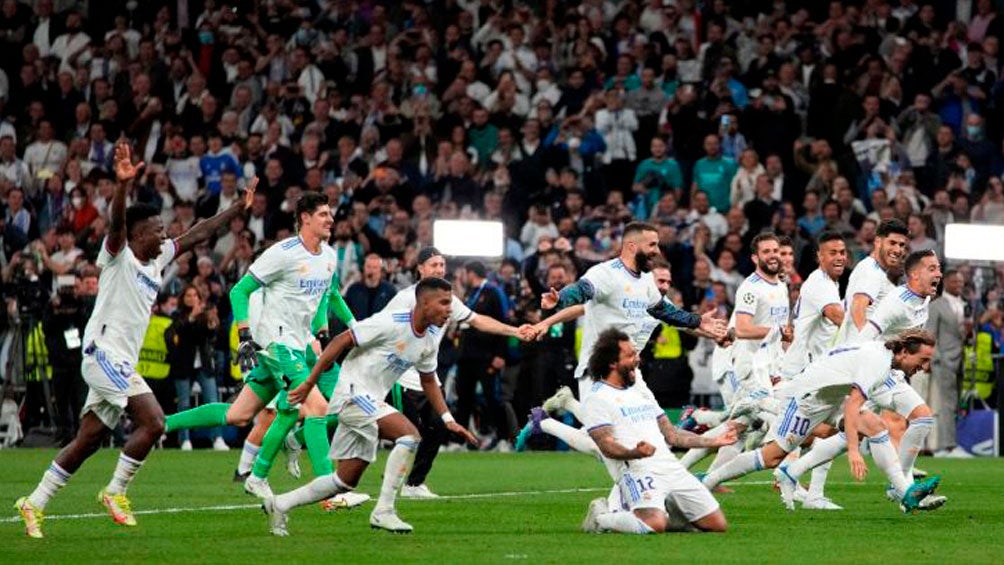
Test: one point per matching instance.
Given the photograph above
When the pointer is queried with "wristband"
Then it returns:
(447, 418)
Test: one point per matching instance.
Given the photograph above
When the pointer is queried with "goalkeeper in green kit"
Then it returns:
(294, 276)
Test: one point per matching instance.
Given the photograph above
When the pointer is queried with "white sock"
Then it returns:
(53, 479)
(693, 456)
(887, 460)
(912, 442)
(316, 490)
(576, 438)
(823, 450)
(623, 522)
(248, 455)
(292, 442)
(575, 407)
(724, 455)
(399, 464)
(614, 500)
(742, 464)
(124, 472)
(818, 482)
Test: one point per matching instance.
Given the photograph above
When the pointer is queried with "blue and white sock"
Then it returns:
(53, 479)
(125, 470)
(913, 442)
(248, 455)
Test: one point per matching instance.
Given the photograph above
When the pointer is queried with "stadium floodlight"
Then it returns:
(469, 238)
(974, 242)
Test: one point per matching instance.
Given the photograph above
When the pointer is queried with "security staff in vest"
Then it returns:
(192, 342)
(63, 322)
(665, 356)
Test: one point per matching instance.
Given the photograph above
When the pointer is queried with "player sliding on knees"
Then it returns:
(132, 258)
(817, 398)
(631, 430)
(380, 350)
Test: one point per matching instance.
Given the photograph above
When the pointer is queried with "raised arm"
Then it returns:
(207, 228)
(125, 173)
(604, 438)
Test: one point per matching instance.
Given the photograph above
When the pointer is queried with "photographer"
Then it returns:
(63, 323)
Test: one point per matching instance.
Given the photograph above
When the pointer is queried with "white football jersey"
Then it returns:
(386, 347)
(769, 305)
(621, 300)
(294, 281)
(870, 279)
(865, 366)
(127, 291)
(405, 300)
(634, 417)
(900, 310)
(814, 334)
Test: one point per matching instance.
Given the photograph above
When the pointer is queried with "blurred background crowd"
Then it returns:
(565, 119)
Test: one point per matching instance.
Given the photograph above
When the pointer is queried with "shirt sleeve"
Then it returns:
(596, 413)
(874, 369)
(459, 312)
(168, 251)
(269, 267)
(871, 286)
(746, 300)
(598, 280)
(887, 317)
(428, 362)
(373, 330)
(106, 257)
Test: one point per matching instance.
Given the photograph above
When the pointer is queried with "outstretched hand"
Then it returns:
(125, 170)
(249, 192)
(549, 299)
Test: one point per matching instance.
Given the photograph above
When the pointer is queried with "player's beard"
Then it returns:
(766, 268)
(642, 261)
(627, 373)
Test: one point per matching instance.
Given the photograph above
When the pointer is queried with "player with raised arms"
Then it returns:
(132, 259)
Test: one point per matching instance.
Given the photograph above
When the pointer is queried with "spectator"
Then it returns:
(372, 293)
(655, 176)
(746, 178)
(192, 340)
(713, 174)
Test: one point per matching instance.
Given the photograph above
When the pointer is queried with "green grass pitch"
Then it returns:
(502, 508)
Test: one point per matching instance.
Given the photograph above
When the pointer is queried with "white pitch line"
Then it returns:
(231, 507)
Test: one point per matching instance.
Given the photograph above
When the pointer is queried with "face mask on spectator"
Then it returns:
(974, 131)
(205, 37)
(77, 201)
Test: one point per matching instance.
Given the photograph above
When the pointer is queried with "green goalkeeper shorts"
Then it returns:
(279, 369)
(325, 384)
